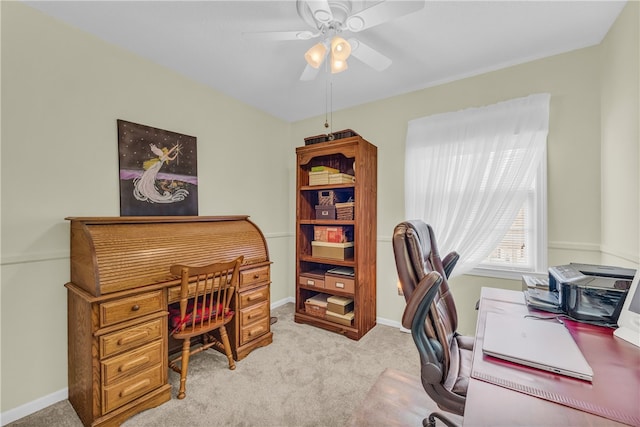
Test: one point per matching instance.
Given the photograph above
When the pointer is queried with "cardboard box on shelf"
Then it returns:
(337, 234)
(339, 282)
(319, 178)
(313, 278)
(339, 251)
(339, 305)
(325, 212)
(344, 319)
(341, 178)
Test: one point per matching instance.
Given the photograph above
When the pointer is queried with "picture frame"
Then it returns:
(157, 171)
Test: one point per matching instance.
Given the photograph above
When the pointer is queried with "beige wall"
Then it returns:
(63, 90)
(621, 137)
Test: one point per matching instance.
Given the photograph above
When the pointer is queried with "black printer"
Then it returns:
(591, 293)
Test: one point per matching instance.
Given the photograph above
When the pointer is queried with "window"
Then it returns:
(478, 176)
(513, 250)
(524, 248)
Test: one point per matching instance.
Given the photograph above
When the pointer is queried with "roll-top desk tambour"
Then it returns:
(118, 296)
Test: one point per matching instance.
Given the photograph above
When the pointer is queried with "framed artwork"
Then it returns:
(158, 171)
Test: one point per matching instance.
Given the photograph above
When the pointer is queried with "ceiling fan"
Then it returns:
(329, 19)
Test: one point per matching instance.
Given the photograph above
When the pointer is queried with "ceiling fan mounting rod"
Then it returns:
(333, 15)
(331, 29)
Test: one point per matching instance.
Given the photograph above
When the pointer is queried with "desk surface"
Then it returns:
(492, 405)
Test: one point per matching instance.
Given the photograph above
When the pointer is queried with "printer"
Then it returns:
(590, 293)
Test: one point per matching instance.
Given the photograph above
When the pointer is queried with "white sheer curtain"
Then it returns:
(467, 173)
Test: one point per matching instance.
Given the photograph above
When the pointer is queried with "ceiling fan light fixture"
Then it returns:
(340, 48)
(315, 55)
(338, 65)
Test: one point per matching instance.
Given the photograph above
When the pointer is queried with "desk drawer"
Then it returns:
(131, 362)
(130, 308)
(125, 391)
(130, 338)
(254, 275)
(256, 296)
(254, 314)
(254, 330)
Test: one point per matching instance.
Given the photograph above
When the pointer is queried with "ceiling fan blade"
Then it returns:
(320, 10)
(281, 35)
(309, 73)
(368, 55)
(384, 11)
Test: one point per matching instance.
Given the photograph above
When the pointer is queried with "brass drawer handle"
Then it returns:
(254, 297)
(135, 308)
(133, 337)
(257, 330)
(135, 387)
(133, 363)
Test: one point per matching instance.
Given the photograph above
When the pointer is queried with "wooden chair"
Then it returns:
(205, 295)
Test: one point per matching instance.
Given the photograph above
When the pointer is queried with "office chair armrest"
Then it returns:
(449, 262)
(414, 301)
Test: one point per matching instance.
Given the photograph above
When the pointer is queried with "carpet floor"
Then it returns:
(306, 377)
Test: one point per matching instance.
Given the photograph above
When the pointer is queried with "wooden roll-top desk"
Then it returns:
(118, 337)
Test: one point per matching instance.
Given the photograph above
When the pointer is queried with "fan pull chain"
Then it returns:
(326, 103)
(328, 117)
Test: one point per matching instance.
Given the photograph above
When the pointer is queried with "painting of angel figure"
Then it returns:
(158, 171)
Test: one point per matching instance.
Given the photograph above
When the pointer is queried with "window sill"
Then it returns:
(498, 273)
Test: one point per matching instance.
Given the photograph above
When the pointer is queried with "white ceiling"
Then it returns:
(444, 41)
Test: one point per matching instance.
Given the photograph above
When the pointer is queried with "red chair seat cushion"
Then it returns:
(175, 321)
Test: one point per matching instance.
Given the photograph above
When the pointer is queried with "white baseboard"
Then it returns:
(282, 302)
(392, 323)
(33, 406)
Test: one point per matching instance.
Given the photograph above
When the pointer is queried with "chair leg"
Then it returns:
(186, 349)
(430, 421)
(227, 347)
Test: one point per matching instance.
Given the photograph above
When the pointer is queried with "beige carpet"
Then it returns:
(307, 377)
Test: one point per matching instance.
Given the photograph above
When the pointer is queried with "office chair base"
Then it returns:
(430, 421)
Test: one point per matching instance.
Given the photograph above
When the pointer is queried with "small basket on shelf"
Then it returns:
(316, 139)
(346, 133)
(327, 198)
(316, 306)
(344, 211)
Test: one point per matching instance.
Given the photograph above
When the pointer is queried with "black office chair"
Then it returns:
(445, 355)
